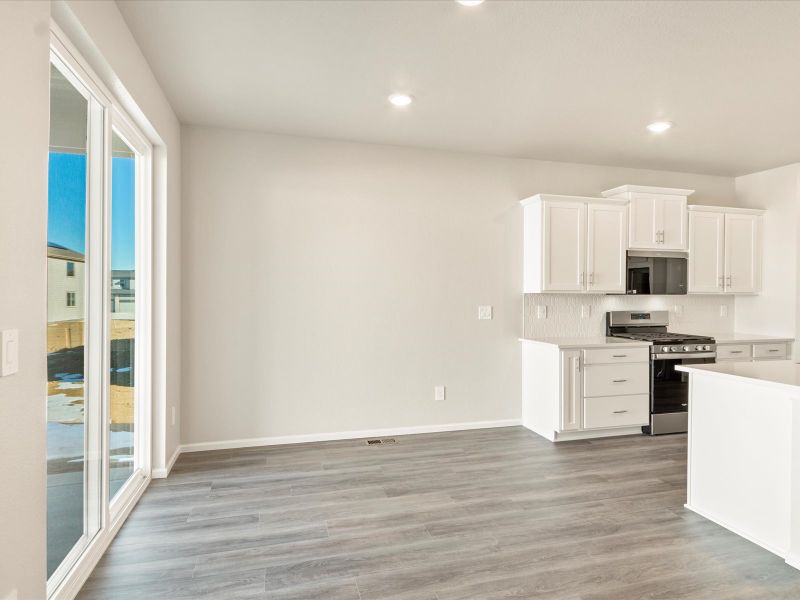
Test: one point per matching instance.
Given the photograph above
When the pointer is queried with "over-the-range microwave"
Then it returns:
(656, 272)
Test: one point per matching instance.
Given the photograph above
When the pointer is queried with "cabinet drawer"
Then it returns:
(616, 411)
(769, 350)
(596, 356)
(616, 380)
(734, 352)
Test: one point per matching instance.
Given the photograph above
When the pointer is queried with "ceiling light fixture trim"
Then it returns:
(401, 99)
(659, 126)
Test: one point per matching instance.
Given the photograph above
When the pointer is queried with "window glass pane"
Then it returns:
(123, 314)
(66, 317)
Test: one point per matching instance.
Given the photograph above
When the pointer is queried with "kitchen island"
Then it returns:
(744, 451)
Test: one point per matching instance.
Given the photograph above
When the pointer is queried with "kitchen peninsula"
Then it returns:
(744, 450)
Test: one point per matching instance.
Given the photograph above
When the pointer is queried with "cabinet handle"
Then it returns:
(619, 412)
(736, 351)
(721, 281)
(619, 381)
(774, 350)
(730, 280)
(618, 355)
(591, 278)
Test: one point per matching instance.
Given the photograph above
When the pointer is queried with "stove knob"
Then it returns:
(707, 348)
(699, 348)
(676, 348)
(686, 348)
(665, 348)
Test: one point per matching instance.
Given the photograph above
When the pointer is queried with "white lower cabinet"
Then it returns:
(575, 393)
(747, 352)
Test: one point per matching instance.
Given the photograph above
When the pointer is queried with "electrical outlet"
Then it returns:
(438, 393)
(484, 313)
(723, 310)
(173, 416)
(541, 311)
(586, 311)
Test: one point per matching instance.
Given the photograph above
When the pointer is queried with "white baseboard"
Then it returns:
(163, 473)
(793, 560)
(344, 435)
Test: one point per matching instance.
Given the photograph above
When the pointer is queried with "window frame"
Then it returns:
(102, 520)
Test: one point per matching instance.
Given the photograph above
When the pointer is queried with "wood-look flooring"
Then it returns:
(488, 514)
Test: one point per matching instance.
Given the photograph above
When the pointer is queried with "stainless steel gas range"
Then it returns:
(669, 389)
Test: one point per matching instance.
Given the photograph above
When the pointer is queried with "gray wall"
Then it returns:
(329, 286)
(25, 73)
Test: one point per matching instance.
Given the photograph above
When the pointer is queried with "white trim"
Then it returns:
(726, 209)
(345, 435)
(738, 531)
(588, 434)
(646, 189)
(793, 560)
(88, 560)
(163, 473)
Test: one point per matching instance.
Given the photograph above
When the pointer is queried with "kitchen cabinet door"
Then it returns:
(642, 223)
(742, 253)
(564, 247)
(706, 252)
(606, 242)
(571, 410)
(671, 223)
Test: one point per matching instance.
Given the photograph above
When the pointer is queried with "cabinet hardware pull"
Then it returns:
(591, 278)
(619, 412)
(736, 351)
(774, 350)
(619, 381)
(618, 355)
(721, 282)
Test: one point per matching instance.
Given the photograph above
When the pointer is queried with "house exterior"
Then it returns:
(66, 284)
(123, 294)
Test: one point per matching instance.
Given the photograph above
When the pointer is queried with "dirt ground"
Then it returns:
(69, 334)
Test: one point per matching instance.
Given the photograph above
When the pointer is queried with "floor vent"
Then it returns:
(373, 442)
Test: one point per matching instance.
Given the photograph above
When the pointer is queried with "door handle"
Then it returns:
(619, 412)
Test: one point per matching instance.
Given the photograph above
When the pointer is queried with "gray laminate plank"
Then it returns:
(487, 514)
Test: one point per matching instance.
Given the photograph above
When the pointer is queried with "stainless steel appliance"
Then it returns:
(669, 389)
(654, 272)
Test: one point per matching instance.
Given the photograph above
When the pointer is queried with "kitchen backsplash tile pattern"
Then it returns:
(574, 315)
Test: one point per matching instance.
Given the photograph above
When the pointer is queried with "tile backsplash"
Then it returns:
(687, 314)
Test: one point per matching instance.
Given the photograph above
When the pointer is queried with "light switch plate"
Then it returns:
(438, 393)
(484, 313)
(9, 352)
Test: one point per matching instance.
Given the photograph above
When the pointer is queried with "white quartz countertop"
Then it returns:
(781, 373)
(738, 337)
(588, 342)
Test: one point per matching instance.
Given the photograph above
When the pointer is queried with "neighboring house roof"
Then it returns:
(63, 253)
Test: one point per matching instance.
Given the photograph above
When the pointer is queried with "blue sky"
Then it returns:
(66, 215)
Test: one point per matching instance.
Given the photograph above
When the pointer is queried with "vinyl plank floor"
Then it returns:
(488, 514)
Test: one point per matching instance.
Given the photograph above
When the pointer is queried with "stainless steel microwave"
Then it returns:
(654, 272)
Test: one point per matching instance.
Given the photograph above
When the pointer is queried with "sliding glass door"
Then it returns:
(98, 398)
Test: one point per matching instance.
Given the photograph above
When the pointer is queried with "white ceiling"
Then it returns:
(565, 81)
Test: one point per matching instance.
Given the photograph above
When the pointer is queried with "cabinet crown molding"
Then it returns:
(726, 209)
(645, 189)
(563, 198)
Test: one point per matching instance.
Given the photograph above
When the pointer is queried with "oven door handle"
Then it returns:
(682, 356)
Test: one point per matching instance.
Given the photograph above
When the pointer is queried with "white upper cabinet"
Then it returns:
(706, 252)
(605, 247)
(574, 244)
(725, 249)
(742, 253)
(564, 255)
(657, 216)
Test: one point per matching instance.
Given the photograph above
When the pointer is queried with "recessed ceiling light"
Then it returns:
(659, 126)
(469, 2)
(401, 99)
